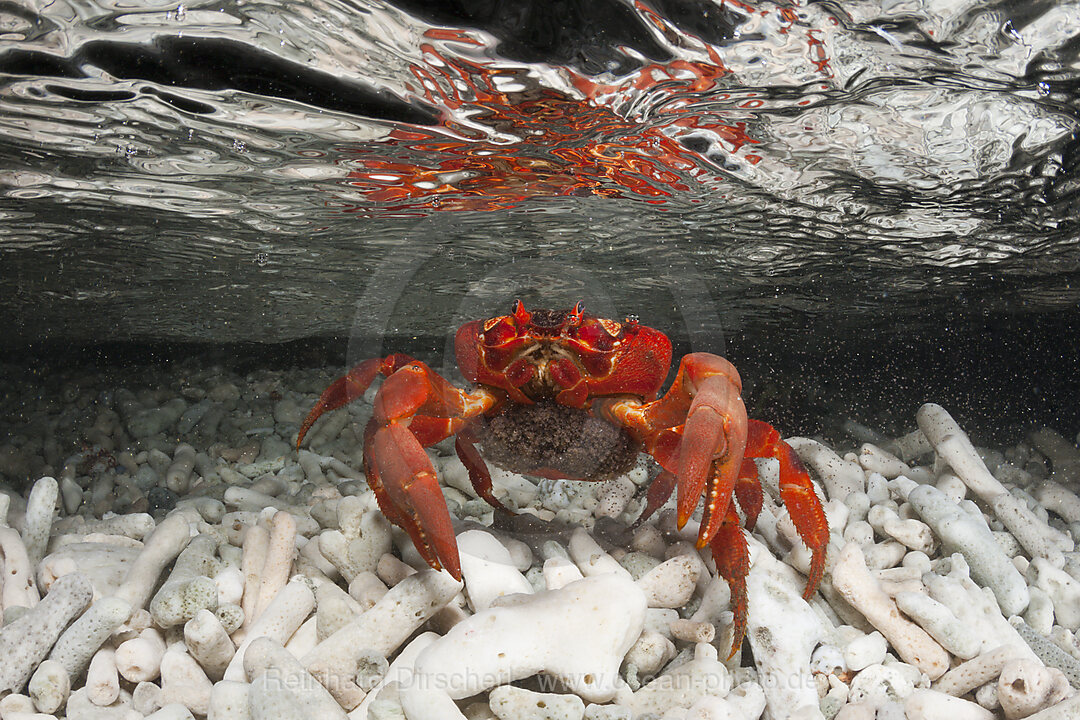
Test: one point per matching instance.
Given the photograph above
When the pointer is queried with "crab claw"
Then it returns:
(798, 495)
(711, 451)
(349, 387)
(407, 482)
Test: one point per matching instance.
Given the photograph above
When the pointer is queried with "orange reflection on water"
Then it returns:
(495, 148)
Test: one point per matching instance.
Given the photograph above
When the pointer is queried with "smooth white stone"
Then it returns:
(650, 652)
(684, 685)
(183, 681)
(579, 634)
(925, 704)
(102, 678)
(1025, 687)
(671, 584)
(866, 651)
(783, 631)
(488, 569)
(592, 559)
(960, 532)
(25, 642)
(513, 703)
(49, 686)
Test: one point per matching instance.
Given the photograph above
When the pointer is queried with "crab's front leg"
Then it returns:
(416, 407)
(696, 431)
(350, 386)
(699, 433)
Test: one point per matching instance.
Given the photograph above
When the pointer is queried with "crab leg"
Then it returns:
(732, 558)
(400, 472)
(713, 435)
(797, 494)
(349, 387)
(479, 475)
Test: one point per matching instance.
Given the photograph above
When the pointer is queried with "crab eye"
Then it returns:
(522, 316)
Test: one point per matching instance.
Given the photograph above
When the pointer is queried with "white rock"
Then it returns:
(183, 681)
(139, 659)
(37, 523)
(79, 707)
(783, 631)
(280, 681)
(513, 703)
(1063, 589)
(19, 588)
(853, 581)
(102, 678)
(282, 617)
(933, 617)
(590, 558)
(49, 686)
(488, 569)
(745, 702)
(230, 701)
(865, 651)
(82, 639)
(960, 532)
(650, 652)
(671, 584)
(684, 685)
(1025, 687)
(878, 684)
(965, 677)
(383, 628)
(162, 547)
(953, 445)
(25, 642)
(559, 572)
(579, 634)
(932, 705)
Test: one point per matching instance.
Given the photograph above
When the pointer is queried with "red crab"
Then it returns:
(567, 394)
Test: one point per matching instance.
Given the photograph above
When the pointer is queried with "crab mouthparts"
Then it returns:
(546, 357)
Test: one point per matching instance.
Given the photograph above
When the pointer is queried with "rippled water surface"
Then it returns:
(247, 171)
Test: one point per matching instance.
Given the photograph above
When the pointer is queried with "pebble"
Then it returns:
(512, 703)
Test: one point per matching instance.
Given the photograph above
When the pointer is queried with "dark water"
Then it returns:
(877, 200)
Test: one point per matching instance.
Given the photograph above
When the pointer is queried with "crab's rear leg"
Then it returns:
(797, 494)
(350, 386)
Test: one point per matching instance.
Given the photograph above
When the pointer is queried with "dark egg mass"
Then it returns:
(544, 437)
